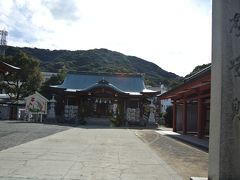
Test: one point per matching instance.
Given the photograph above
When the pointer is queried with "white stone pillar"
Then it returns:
(224, 148)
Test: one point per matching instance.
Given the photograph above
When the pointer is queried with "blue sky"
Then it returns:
(174, 34)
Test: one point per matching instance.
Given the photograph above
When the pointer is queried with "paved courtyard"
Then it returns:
(80, 153)
(186, 160)
(43, 151)
(13, 133)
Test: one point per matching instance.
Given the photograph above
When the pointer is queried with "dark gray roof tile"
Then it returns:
(124, 82)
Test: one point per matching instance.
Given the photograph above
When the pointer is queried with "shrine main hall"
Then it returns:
(102, 95)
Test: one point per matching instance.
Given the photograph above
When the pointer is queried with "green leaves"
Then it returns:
(56, 79)
(24, 82)
(197, 69)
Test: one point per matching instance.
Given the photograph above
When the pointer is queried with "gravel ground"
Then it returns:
(13, 133)
(188, 161)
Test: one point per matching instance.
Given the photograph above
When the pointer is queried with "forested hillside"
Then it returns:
(197, 69)
(98, 60)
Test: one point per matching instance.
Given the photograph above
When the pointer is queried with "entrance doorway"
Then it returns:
(102, 107)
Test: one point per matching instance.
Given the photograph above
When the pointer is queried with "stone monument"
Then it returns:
(224, 147)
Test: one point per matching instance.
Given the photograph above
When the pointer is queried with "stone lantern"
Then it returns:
(51, 112)
(151, 119)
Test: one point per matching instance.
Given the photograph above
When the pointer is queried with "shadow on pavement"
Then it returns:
(85, 126)
(192, 140)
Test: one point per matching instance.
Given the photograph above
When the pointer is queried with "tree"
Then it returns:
(58, 78)
(24, 82)
(53, 80)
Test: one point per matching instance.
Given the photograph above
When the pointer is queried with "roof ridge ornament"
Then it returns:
(103, 81)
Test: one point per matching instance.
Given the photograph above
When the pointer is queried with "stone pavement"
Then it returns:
(13, 133)
(81, 153)
(186, 160)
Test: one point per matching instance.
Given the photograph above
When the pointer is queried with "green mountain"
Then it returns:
(98, 60)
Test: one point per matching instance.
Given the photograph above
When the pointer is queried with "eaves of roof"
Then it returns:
(190, 83)
(5, 67)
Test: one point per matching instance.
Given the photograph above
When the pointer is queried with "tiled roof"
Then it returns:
(201, 79)
(120, 82)
(5, 67)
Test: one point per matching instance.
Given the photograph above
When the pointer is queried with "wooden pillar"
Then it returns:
(78, 104)
(66, 99)
(174, 116)
(141, 108)
(184, 117)
(200, 119)
(124, 106)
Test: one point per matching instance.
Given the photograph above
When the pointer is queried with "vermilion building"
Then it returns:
(191, 104)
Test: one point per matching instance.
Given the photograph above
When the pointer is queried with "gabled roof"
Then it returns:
(38, 95)
(120, 82)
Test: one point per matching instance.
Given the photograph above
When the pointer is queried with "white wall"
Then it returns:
(164, 104)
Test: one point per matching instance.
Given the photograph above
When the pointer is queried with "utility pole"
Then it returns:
(3, 41)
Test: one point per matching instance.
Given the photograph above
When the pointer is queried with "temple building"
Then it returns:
(100, 95)
(6, 68)
(8, 108)
(191, 104)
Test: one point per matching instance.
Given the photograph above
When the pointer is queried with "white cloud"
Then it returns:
(175, 34)
(60, 9)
